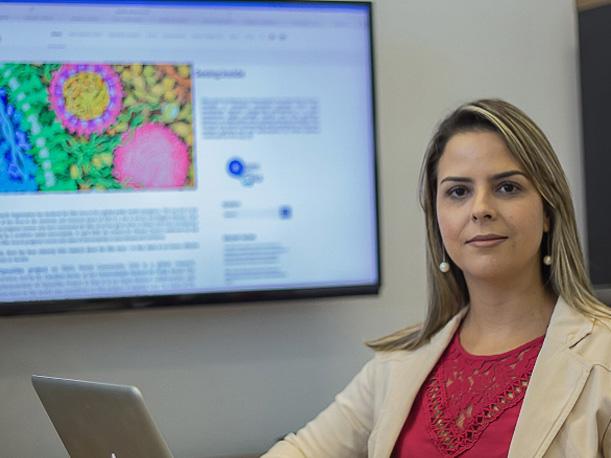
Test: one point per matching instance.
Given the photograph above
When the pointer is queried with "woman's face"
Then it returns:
(489, 213)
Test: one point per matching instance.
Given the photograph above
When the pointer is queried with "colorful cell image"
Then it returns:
(152, 156)
(86, 98)
(95, 126)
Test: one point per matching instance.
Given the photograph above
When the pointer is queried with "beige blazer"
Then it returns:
(566, 411)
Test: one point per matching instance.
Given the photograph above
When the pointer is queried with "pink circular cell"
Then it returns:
(151, 156)
(86, 98)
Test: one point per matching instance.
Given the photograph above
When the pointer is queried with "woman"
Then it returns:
(514, 357)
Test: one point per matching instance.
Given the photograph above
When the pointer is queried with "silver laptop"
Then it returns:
(100, 420)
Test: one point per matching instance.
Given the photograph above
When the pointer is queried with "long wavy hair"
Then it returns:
(566, 277)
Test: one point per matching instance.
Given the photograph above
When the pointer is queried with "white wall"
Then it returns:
(228, 380)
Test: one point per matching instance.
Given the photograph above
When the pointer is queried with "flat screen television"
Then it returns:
(191, 152)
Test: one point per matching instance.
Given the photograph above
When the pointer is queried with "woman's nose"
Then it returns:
(483, 207)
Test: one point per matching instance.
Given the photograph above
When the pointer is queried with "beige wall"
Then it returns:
(229, 379)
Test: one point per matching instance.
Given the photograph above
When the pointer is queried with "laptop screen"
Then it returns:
(100, 420)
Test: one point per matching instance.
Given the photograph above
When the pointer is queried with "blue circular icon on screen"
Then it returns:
(235, 167)
(244, 172)
(286, 212)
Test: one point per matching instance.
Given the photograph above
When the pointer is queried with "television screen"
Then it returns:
(163, 153)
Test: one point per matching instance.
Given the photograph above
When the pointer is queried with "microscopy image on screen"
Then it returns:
(93, 126)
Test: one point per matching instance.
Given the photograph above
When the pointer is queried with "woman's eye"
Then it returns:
(508, 188)
(457, 192)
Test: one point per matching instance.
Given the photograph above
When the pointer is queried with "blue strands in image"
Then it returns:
(17, 167)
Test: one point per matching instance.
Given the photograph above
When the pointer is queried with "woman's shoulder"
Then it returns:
(603, 324)
(382, 357)
(385, 365)
(601, 331)
(596, 347)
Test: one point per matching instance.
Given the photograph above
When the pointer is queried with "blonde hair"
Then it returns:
(566, 277)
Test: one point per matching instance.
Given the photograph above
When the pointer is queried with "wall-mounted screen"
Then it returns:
(164, 153)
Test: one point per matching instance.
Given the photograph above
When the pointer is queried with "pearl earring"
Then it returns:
(444, 266)
(547, 259)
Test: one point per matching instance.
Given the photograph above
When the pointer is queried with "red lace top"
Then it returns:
(469, 404)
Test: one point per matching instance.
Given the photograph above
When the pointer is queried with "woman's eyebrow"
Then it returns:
(502, 175)
(498, 176)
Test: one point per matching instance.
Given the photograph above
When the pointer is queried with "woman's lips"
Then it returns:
(486, 240)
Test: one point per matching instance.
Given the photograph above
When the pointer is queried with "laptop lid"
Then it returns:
(100, 420)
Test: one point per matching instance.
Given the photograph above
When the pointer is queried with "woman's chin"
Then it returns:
(500, 274)
(491, 272)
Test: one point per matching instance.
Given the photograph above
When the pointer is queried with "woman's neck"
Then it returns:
(501, 318)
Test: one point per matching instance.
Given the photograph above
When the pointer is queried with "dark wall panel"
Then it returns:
(595, 56)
